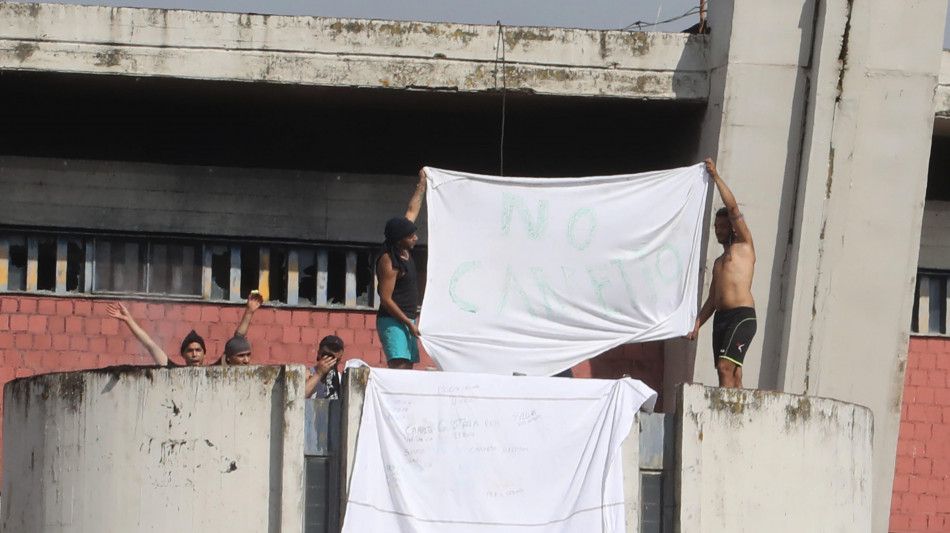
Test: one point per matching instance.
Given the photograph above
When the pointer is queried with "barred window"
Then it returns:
(930, 303)
(298, 274)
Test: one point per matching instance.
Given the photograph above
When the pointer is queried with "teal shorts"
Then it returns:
(398, 342)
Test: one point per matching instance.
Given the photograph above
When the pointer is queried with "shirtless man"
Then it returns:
(730, 293)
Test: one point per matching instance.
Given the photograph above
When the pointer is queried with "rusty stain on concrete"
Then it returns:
(733, 401)
(394, 29)
(800, 411)
(111, 58)
(23, 10)
(638, 43)
(351, 27)
(520, 35)
(24, 50)
(464, 36)
(72, 388)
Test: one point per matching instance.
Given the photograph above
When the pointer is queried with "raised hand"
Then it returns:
(117, 310)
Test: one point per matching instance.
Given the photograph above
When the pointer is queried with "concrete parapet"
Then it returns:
(765, 461)
(149, 449)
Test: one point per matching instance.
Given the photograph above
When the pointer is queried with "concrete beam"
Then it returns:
(351, 52)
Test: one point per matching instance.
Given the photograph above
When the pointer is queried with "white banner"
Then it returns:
(446, 452)
(534, 275)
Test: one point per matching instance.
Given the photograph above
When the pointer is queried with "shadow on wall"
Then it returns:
(639, 361)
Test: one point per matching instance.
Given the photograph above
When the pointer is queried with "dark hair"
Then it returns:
(334, 343)
(722, 212)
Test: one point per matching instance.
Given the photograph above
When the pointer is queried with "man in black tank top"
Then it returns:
(398, 288)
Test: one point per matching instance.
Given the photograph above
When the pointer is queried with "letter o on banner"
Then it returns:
(572, 226)
(666, 257)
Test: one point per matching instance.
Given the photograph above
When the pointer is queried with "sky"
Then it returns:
(591, 14)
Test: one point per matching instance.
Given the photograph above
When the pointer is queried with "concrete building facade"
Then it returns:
(265, 152)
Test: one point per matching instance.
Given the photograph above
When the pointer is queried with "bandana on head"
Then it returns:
(237, 344)
(397, 228)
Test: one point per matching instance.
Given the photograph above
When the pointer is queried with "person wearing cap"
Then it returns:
(323, 380)
(237, 352)
(192, 348)
(397, 286)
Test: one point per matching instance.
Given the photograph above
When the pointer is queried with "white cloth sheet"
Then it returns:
(533, 275)
(465, 453)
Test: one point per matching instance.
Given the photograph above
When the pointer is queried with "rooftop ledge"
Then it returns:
(334, 52)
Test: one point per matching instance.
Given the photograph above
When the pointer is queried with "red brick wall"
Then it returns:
(921, 499)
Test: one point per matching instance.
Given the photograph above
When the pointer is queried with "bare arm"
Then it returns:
(387, 283)
(735, 216)
(415, 203)
(704, 313)
(323, 368)
(254, 301)
(118, 311)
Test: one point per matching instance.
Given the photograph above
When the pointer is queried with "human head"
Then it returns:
(193, 349)
(402, 232)
(237, 351)
(331, 346)
(723, 226)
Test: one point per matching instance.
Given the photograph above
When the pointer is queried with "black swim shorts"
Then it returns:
(733, 330)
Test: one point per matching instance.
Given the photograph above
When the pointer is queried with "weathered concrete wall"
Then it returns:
(865, 158)
(921, 500)
(349, 52)
(753, 461)
(127, 449)
(935, 235)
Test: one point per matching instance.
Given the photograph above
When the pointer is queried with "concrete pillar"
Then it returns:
(820, 114)
(853, 251)
(147, 449)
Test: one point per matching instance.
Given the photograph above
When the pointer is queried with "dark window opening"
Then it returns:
(277, 278)
(220, 273)
(364, 278)
(75, 265)
(250, 270)
(336, 276)
(306, 276)
(16, 274)
(46, 264)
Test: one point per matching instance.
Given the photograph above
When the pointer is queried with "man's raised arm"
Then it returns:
(415, 203)
(254, 301)
(118, 311)
(735, 216)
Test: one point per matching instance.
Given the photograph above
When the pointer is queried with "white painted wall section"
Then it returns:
(754, 461)
(146, 449)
